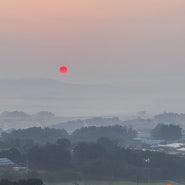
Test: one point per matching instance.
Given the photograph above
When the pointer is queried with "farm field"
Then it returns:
(114, 183)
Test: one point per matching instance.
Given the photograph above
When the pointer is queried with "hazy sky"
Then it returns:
(102, 41)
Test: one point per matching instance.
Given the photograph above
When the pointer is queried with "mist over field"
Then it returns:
(69, 99)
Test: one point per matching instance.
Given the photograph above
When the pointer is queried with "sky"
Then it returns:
(117, 42)
(108, 41)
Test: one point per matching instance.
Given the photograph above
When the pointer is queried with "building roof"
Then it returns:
(6, 161)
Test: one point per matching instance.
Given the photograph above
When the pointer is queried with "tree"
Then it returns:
(92, 133)
(50, 157)
(167, 132)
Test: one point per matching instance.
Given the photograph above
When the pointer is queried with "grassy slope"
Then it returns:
(113, 183)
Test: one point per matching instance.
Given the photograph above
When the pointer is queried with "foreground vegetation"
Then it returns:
(92, 153)
(22, 182)
(114, 183)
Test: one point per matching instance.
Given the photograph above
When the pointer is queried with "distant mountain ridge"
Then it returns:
(33, 88)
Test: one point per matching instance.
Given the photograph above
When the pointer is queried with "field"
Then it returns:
(114, 183)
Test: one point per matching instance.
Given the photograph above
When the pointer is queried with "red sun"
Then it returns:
(63, 69)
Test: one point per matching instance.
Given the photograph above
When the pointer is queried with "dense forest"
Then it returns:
(93, 158)
(38, 135)
(33, 135)
(101, 160)
(167, 132)
(90, 153)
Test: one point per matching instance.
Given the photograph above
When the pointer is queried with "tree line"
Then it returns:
(38, 135)
(167, 132)
(92, 153)
(21, 182)
(101, 160)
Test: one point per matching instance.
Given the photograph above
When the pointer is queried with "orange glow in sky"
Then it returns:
(123, 33)
(45, 17)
